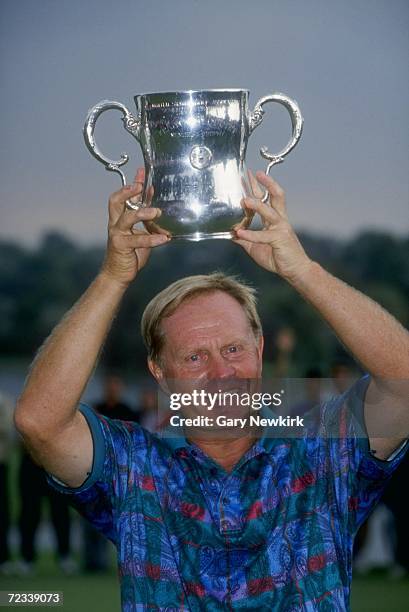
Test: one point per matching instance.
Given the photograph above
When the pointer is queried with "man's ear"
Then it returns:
(155, 370)
(260, 346)
(157, 373)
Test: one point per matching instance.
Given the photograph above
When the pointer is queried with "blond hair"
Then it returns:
(167, 301)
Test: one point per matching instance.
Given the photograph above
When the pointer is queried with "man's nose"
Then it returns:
(219, 367)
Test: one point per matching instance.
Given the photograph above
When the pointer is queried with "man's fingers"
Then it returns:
(266, 212)
(118, 199)
(255, 236)
(255, 187)
(139, 176)
(154, 228)
(245, 244)
(277, 194)
(138, 241)
(147, 201)
(130, 217)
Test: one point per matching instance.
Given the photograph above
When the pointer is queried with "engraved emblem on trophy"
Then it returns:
(194, 147)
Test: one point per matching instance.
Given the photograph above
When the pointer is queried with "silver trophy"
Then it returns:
(194, 147)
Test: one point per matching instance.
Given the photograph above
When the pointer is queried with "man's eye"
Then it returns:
(194, 358)
(197, 359)
(233, 348)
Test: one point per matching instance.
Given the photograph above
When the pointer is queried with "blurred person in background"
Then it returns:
(33, 489)
(112, 404)
(7, 439)
(312, 392)
(284, 344)
(396, 498)
(343, 373)
(148, 409)
(95, 546)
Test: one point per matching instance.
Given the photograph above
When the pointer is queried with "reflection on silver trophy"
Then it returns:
(194, 148)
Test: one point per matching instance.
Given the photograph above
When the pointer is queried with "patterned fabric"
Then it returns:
(275, 533)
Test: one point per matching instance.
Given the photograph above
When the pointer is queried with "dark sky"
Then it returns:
(345, 62)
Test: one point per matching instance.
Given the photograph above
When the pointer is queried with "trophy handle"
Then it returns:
(297, 121)
(131, 124)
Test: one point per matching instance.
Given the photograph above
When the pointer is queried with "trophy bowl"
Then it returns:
(194, 147)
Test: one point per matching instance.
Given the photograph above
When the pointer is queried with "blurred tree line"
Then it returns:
(39, 285)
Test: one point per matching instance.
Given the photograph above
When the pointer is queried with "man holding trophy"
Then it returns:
(227, 522)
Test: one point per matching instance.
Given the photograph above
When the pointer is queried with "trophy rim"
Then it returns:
(190, 91)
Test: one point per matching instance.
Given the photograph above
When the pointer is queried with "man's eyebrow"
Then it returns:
(197, 348)
(236, 341)
(190, 349)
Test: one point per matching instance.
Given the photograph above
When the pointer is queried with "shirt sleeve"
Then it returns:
(98, 496)
(359, 476)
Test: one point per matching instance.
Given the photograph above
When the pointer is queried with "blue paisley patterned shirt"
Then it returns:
(274, 534)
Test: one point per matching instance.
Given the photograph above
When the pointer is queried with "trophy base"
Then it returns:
(196, 236)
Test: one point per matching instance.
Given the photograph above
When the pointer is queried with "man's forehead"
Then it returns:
(206, 317)
(207, 304)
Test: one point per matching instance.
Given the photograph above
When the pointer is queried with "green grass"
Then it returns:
(81, 592)
(377, 593)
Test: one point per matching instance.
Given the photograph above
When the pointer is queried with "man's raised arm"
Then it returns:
(373, 336)
(54, 431)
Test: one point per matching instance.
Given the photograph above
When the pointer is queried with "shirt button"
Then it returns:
(225, 524)
(226, 500)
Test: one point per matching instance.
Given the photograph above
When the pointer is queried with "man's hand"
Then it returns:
(129, 248)
(275, 247)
